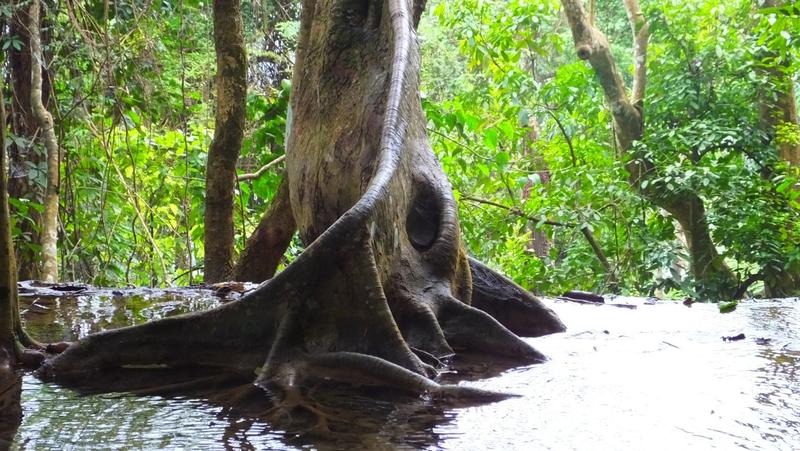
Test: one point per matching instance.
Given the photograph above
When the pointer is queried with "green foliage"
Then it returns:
(515, 118)
(527, 129)
(135, 112)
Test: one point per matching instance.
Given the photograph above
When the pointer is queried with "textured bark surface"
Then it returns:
(265, 248)
(228, 135)
(382, 293)
(23, 124)
(49, 238)
(713, 278)
(10, 347)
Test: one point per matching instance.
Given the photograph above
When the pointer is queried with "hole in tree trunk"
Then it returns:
(424, 216)
(361, 13)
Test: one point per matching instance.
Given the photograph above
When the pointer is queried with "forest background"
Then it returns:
(520, 124)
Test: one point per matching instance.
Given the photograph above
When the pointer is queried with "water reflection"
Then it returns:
(657, 377)
(10, 414)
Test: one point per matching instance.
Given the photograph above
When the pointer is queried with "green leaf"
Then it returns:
(502, 159)
(490, 138)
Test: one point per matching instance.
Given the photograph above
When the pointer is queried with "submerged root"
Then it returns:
(470, 329)
(295, 333)
(511, 305)
(362, 369)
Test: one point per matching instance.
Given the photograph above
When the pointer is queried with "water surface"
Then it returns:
(655, 377)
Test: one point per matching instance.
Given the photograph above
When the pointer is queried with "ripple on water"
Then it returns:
(657, 377)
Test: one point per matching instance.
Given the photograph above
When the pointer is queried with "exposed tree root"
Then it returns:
(511, 305)
(369, 370)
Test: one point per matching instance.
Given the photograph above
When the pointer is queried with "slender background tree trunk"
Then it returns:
(228, 135)
(777, 106)
(43, 117)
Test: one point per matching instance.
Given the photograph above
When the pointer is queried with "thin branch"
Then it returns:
(517, 212)
(459, 144)
(585, 230)
(598, 251)
(261, 171)
(73, 18)
(566, 137)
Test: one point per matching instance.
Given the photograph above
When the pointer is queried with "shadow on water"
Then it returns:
(10, 407)
(655, 377)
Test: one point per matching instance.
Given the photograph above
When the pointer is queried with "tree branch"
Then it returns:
(585, 230)
(641, 33)
(261, 170)
(592, 45)
(517, 212)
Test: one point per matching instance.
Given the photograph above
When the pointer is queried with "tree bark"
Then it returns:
(49, 238)
(265, 248)
(778, 107)
(10, 345)
(383, 290)
(23, 156)
(713, 278)
(228, 135)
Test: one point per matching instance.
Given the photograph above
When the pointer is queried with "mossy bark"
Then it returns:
(10, 327)
(223, 154)
(384, 290)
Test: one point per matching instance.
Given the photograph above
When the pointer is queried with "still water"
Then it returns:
(655, 377)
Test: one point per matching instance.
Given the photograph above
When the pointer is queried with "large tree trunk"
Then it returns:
(228, 135)
(49, 238)
(713, 278)
(23, 155)
(383, 290)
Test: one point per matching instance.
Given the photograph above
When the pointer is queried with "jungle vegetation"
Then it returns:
(521, 126)
(373, 153)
